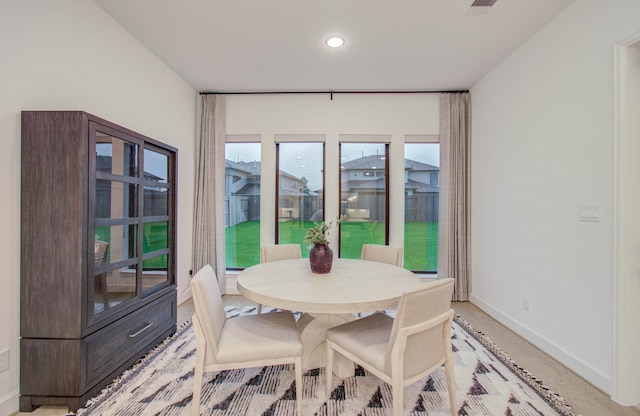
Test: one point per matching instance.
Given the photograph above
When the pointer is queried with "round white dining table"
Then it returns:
(327, 300)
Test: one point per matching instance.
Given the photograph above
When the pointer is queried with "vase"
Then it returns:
(320, 258)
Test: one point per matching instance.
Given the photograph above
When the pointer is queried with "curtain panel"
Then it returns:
(454, 236)
(208, 218)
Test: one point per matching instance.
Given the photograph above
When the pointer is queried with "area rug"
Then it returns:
(488, 382)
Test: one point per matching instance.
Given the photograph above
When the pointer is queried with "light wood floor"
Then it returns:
(585, 399)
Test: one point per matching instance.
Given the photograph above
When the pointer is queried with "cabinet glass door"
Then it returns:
(116, 221)
(157, 220)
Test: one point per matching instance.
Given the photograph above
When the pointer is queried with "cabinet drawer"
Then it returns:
(128, 338)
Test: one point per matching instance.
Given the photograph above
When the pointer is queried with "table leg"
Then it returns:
(312, 328)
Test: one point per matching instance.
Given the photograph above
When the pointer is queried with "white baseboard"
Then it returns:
(9, 404)
(578, 366)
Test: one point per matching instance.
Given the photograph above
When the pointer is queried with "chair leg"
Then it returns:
(197, 383)
(397, 389)
(298, 365)
(328, 370)
(451, 383)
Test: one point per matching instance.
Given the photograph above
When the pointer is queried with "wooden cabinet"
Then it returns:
(98, 255)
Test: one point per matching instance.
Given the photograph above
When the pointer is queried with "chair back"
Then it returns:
(383, 254)
(280, 252)
(209, 308)
(100, 253)
(422, 326)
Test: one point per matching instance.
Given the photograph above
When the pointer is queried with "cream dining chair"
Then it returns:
(278, 252)
(383, 254)
(403, 350)
(239, 342)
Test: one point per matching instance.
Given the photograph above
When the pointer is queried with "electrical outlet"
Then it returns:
(4, 360)
(526, 304)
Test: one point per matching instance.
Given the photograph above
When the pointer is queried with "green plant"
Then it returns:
(318, 233)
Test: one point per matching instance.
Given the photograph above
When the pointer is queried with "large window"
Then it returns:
(242, 204)
(300, 187)
(363, 196)
(421, 201)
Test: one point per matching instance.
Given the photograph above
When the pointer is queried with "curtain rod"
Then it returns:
(331, 92)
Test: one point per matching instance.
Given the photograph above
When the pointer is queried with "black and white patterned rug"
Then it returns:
(488, 382)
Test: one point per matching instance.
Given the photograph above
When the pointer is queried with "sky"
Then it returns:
(305, 159)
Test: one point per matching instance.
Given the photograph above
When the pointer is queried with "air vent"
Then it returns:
(480, 7)
(483, 3)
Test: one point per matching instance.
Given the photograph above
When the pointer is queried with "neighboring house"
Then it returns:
(293, 196)
(363, 185)
(155, 197)
(242, 192)
(363, 180)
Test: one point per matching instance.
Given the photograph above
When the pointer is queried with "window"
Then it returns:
(300, 187)
(363, 196)
(242, 204)
(421, 202)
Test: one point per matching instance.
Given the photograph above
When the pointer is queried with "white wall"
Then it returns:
(70, 55)
(395, 115)
(542, 148)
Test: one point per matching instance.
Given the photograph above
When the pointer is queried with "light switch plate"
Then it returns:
(590, 213)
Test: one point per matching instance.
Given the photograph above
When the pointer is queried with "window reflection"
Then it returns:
(116, 156)
(156, 201)
(116, 199)
(156, 166)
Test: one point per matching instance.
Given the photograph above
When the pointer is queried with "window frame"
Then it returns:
(366, 139)
(240, 139)
(297, 139)
(425, 139)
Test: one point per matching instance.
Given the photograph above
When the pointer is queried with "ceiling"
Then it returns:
(278, 45)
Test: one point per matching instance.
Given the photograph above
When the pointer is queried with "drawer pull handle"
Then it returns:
(149, 325)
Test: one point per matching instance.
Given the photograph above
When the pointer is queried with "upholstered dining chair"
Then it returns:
(239, 342)
(100, 281)
(383, 254)
(278, 252)
(404, 349)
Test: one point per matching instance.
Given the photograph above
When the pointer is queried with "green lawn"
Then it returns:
(421, 242)
(155, 236)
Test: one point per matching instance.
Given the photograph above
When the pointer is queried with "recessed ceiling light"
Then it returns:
(335, 42)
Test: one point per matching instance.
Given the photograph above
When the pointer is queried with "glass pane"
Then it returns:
(156, 166)
(300, 191)
(120, 240)
(113, 287)
(363, 196)
(156, 201)
(155, 272)
(155, 236)
(421, 202)
(242, 204)
(116, 199)
(116, 156)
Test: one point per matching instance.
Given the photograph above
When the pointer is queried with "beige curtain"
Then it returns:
(208, 218)
(454, 230)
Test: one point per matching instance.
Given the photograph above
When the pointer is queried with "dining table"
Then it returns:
(325, 300)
